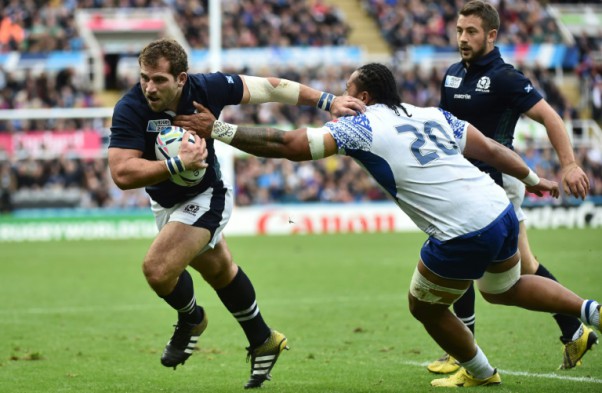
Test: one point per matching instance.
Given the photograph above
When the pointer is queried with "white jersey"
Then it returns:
(417, 160)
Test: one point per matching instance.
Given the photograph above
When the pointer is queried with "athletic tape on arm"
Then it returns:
(531, 179)
(315, 137)
(261, 90)
(223, 131)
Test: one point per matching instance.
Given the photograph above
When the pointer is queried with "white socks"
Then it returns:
(590, 314)
(479, 366)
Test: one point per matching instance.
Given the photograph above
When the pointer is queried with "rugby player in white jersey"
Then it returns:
(417, 155)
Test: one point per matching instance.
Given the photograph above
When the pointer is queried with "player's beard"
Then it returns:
(160, 103)
(471, 53)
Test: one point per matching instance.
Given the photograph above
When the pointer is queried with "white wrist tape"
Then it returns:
(223, 131)
(261, 91)
(175, 165)
(315, 137)
(531, 179)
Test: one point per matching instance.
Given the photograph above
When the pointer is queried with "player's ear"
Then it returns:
(365, 97)
(182, 78)
(491, 36)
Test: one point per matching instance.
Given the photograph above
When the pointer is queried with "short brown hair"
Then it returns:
(485, 11)
(168, 48)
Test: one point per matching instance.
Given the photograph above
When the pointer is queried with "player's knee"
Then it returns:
(416, 308)
(221, 274)
(156, 274)
(216, 267)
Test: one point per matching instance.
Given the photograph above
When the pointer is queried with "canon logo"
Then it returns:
(326, 223)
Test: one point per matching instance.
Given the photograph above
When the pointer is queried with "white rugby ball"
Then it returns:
(167, 145)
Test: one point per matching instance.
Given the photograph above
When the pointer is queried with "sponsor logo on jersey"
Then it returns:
(462, 96)
(452, 81)
(528, 88)
(157, 125)
(192, 209)
(483, 84)
(229, 79)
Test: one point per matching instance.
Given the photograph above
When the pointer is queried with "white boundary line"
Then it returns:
(524, 374)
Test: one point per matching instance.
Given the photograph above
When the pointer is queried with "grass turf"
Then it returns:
(79, 317)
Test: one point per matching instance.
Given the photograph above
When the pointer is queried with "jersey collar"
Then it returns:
(488, 58)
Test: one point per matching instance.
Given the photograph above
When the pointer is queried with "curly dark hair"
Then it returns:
(166, 48)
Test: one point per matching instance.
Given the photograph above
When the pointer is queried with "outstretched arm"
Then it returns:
(481, 148)
(574, 180)
(302, 144)
(258, 90)
(261, 90)
(297, 145)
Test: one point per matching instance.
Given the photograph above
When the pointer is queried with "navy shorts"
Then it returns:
(467, 257)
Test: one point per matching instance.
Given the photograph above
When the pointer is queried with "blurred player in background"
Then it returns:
(415, 154)
(492, 95)
(191, 219)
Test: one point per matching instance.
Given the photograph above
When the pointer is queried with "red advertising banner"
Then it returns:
(102, 23)
(48, 144)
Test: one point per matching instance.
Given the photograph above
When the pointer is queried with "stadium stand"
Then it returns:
(408, 22)
(43, 40)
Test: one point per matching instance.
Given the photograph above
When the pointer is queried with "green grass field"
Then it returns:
(79, 317)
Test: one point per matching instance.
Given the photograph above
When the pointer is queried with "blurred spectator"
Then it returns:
(338, 179)
(597, 98)
(8, 185)
(11, 32)
(414, 22)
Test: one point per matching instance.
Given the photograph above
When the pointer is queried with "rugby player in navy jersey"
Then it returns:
(491, 94)
(191, 219)
(417, 155)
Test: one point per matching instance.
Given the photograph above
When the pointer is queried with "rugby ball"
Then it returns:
(167, 145)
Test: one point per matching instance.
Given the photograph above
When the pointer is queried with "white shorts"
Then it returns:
(210, 210)
(515, 189)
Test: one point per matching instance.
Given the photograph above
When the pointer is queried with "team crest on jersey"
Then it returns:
(452, 81)
(483, 84)
(157, 125)
(192, 209)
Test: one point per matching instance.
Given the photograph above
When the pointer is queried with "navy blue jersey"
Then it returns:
(135, 126)
(491, 95)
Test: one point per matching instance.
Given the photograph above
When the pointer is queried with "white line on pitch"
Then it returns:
(525, 374)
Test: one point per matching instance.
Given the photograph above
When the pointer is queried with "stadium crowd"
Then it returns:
(42, 26)
(411, 22)
(31, 26)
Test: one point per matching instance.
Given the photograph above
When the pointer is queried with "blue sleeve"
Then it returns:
(125, 128)
(458, 127)
(351, 132)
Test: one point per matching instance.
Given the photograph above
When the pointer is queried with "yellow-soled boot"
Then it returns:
(463, 379)
(446, 364)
